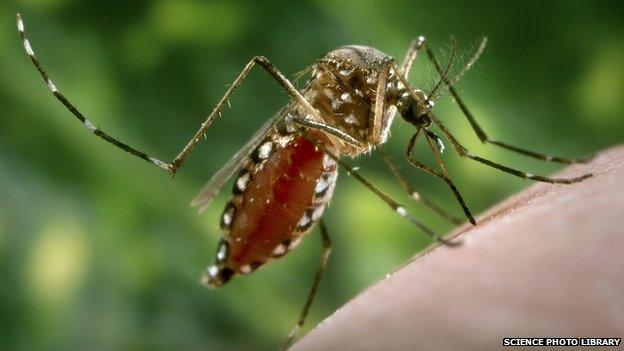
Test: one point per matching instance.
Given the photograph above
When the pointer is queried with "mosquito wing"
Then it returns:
(216, 183)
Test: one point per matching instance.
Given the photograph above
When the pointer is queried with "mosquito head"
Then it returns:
(414, 107)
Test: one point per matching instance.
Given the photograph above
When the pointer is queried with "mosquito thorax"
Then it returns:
(343, 88)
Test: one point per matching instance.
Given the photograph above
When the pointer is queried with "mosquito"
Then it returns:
(286, 172)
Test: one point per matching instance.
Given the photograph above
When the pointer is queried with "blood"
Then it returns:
(274, 202)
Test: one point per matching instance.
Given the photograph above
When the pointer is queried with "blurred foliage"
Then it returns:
(101, 251)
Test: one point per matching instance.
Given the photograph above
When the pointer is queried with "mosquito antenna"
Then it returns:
(449, 83)
(442, 79)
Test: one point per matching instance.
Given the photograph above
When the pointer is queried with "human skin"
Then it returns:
(547, 262)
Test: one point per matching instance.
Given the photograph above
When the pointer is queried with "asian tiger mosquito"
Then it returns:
(287, 170)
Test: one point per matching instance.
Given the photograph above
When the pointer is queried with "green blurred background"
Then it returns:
(100, 251)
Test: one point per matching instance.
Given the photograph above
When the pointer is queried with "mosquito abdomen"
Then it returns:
(277, 198)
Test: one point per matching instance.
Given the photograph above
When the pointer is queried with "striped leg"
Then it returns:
(412, 54)
(404, 70)
(397, 207)
(326, 250)
(442, 175)
(309, 123)
(477, 128)
(462, 151)
(394, 168)
(381, 112)
(174, 165)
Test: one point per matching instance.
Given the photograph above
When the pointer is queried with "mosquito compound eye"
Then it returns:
(408, 107)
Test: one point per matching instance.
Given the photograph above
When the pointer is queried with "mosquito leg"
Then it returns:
(462, 151)
(411, 55)
(59, 96)
(347, 138)
(300, 123)
(393, 167)
(303, 122)
(174, 165)
(380, 111)
(397, 207)
(326, 250)
(437, 153)
(275, 74)
(440, 175)
(413, 193)
(479, 131)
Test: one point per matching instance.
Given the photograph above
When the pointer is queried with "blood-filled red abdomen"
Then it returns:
(278, 197)
(275, 202)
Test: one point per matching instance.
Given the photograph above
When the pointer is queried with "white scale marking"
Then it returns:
(328, 162)
(401, 211)
(158, 163)
(227, 217)
(51, 85)
(28, 48)
(321, 185)
(213, 271)
(279, 250)
(246, 269)
(295, 242)
(350, 119)
(440, 145)
(20, 25)
(304, 220)
(346, 97)
(90, 125)
(242, 181)
(265, 150)
(318, 212)
(336, 104)
(222, 253)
